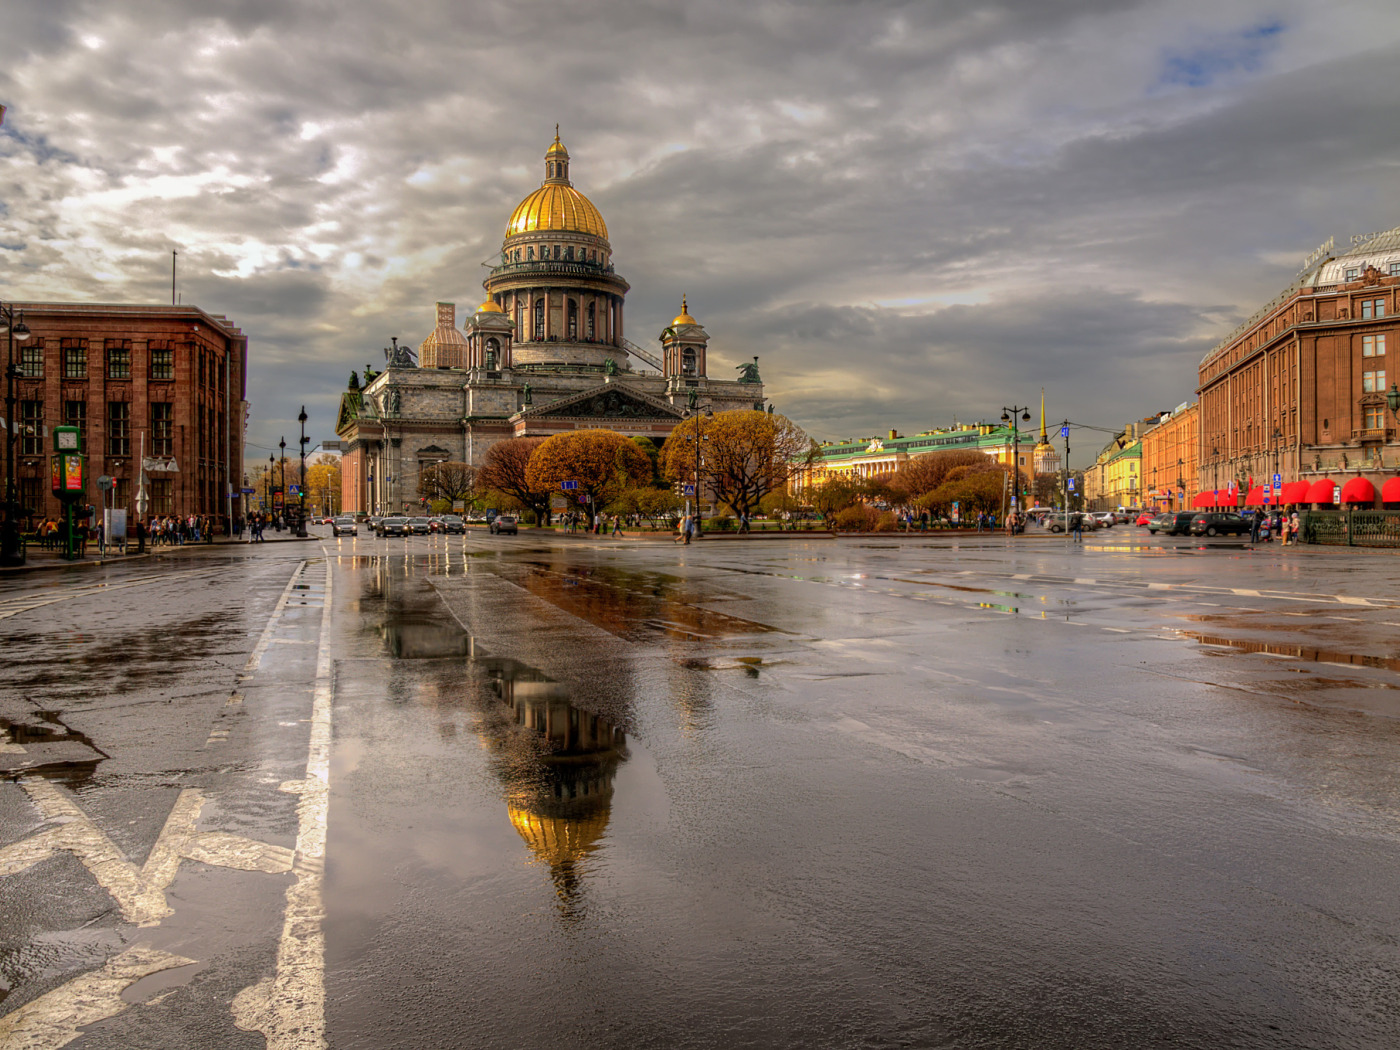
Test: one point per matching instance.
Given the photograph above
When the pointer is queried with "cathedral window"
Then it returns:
(556, 251)
(592, 319)
(493, 354)
(530, 253)
(539, 320)
(688, 362)
(568, 253)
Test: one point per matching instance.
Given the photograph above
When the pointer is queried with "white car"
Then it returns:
(344, 527)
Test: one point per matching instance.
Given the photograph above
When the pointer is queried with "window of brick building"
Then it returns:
(162, 360)
(1373, 346)
(1395, 269)
(1374, 417)
(31, 360)
(118, 358)
(163, 496)
(1372, 382)
(31, 494)
(121, 492)
(118, 428)
(31, 421)
(74, 358)
(162, 428)
(75, 415)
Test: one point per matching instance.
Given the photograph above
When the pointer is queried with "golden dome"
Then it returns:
(556, 150)
(557, 206)
(489, 307)
(684, 316)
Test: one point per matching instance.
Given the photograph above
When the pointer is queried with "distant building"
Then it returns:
(171, 379)
(1169, 459)
(875, 457)
(545, 353)
(1299, 388)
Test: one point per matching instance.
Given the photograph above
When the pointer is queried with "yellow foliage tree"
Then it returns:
(603, 463)
(743, 455)
(323, 485)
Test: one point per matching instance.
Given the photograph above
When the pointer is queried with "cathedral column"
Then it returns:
(548, 313)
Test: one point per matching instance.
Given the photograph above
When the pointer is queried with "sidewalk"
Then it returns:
(38, 558)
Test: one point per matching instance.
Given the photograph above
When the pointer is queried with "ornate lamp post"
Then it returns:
(1392, 399)
(283, 446)
(15, 329)
(1008, 416)
(301, 487)
(708, 412)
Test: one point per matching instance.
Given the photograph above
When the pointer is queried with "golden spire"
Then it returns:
(684, 316)
(1044, 439)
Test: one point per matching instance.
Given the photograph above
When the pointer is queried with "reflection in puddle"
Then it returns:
(50, 749)
(1301, 652)
(557, 764)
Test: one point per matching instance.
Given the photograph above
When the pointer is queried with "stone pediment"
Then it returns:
(433, 450)
(607, 401)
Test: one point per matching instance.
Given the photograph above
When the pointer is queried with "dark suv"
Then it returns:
(1216, 523)
(1173, 523)
(395, 526)
(450, 523)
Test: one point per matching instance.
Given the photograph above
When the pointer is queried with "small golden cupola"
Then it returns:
(683, 346)
(490, 338)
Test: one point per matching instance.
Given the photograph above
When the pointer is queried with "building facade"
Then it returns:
(545, 353)
(166, 380)
(1169, 459)
(867, 458)
(1298, 389)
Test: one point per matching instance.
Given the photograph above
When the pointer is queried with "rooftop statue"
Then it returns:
(749, 373)
(400, 356)
(609, 367)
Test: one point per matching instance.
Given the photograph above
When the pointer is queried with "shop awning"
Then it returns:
(1297, 492)
(1324, 491)
(1390, 491)
(1204, 499)
(1358, 490)
(1255, 497)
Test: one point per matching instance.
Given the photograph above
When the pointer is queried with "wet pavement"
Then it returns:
(553, 791)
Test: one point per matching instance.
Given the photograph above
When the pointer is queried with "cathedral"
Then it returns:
(545, 353)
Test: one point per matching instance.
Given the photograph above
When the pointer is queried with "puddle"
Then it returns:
(47, 747)
(1300, 652)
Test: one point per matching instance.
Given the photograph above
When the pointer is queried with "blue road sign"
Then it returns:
(1071, 484)
(688, 490)
(1278, 480)
(568, 486)
(1064, 432)
(249, 492)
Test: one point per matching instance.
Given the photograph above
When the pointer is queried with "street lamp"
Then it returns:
(301, 487)
(283, 446)
(1008, 416)
(1392, 398)
(707, 412)
(15, 330)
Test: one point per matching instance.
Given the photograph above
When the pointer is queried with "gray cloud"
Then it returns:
(909, 211)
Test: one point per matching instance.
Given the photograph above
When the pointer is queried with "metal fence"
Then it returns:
(1352, 528)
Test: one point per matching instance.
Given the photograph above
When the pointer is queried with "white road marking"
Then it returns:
(139, 892)
(1118, 630)
(57, 1018)
(7, 748)
(255, 657)
(289, 1008)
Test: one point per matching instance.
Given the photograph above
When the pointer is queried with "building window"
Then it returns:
(162, 428)
(1353, 273)
(31, 422)
(539, 320)
(118, 358)
(1374, 417)
(74, 358)
(1395, 269)
(162, 496)
(162, 360)
(31, 360)
(31, 496)
(530, 253)
(592, 319)
(1373, 382)
(1372, 308)
(118, 428)
(688, 362)
(573, 320)
(75, 415)
(121, 492)
(1373, 346)
(493, 354)
(568, 253)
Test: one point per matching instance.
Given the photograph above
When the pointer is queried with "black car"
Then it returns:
(420, 526)
(1173, 523)
(395, 526)
(1219, 523)
(450, 523)
(504, 523)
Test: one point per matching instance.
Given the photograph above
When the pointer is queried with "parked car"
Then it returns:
(451, 523)
(1216, 523)
(394, 526)
(504, 523)
(344, 527)
(1103, 519)
(419, 526)
(1173, 523)
(1144, 519)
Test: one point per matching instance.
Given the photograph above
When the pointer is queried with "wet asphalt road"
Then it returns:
(876, 793)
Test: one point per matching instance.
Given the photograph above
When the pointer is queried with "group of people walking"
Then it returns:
(1264, 527)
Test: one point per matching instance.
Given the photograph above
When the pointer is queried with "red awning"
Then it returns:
(1324, 491)
(1358, 490)
(1297, 492)
(1390, 491)
(1255, 497)
(1204, 499)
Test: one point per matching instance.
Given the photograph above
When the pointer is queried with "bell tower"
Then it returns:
(683, 346)
(490, 337)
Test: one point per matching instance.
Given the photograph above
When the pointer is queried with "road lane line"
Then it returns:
(255, 657)
(289, 1008)
(57, 1018)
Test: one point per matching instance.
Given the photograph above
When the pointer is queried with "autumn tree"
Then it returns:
(835, 496)
(322, 485)
(744, 455)
(451, 481)
(602, 463)
(975, 490)
(925, 473)
(505, 470)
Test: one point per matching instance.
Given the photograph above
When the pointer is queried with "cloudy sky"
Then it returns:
(911, 212)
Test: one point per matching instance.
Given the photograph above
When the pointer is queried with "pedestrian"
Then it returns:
(617, 525)
(1256, 520)
(1076, 522)
(1285, 528)
(1295, 527)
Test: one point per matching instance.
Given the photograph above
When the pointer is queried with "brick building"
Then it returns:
(1169, 459)
(172, 375)
(1299, 388)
